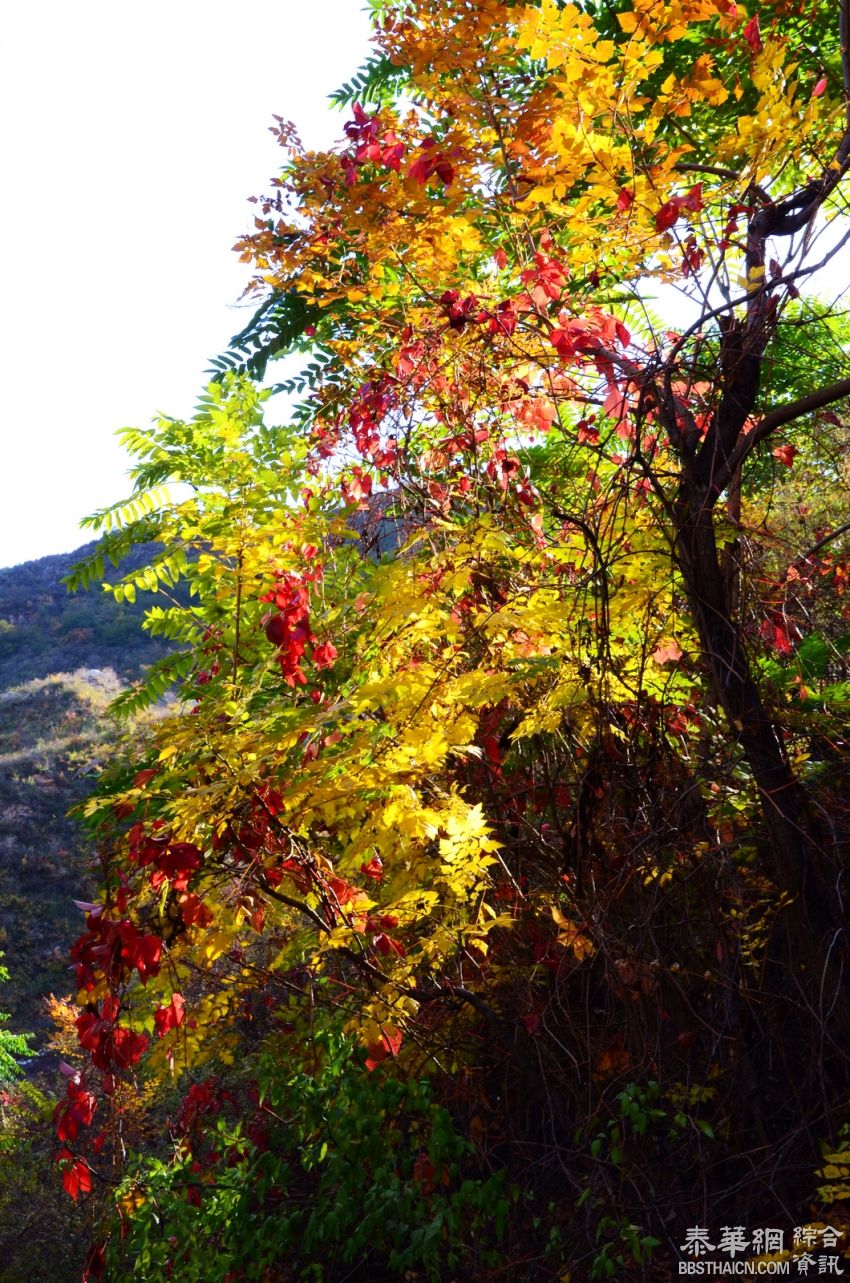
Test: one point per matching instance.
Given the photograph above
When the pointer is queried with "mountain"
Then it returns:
(52, 730)
(63, 658)
(44, 629)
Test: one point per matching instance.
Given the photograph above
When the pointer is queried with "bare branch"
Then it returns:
(691, 167)
(821, 543)
(299, 905)
(788, 414)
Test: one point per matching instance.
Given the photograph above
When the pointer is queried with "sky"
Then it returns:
(132, 137)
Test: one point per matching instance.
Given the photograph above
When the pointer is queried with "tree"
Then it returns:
(32, 1208)
(545, 804)
(11, 1044)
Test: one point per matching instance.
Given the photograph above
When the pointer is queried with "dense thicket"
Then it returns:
(481, 912)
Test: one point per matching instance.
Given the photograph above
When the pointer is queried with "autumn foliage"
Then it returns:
(475, 911)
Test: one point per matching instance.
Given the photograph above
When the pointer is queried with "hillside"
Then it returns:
(51, 731)
(44, 629)
(63, 658)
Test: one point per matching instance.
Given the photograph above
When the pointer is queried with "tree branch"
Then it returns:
(299, 905)
(788, 414)
(441, 993)
(720, 171)
(821, 543)
(844, 42)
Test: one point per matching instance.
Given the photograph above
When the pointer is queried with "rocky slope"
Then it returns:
(63, 659)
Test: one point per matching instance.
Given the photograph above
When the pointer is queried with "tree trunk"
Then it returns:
(801, 863)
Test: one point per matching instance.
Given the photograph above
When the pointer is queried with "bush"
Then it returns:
(339, 1171)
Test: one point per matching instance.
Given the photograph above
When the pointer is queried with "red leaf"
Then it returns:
(504, 321)
(785, 454)
(752, 35)
(391, 1038)
(587, 433)
(110, 1045)
(177, 865)
(692, 257)
(388, 1046)
(693, 199)
(276, 629)
(418, 170)
(324, 654)
(667, 215)
(625, 199)
(194, 911)
(76, 1178)
(546, 279)
(358, 488)
(775, 633)
(143, 953)
(76, 1111)
(386, 944)
(616, 403)
(170, 1017)
(444, 170)
(431, 164)
(819, 87)
(668, 652)
(623, 334)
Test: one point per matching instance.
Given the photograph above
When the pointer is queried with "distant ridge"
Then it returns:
(63, 658)
(45, 629)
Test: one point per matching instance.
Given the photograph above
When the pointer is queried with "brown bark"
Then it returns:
(802, 864)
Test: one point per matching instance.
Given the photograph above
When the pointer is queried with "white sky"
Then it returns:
(132, 137)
